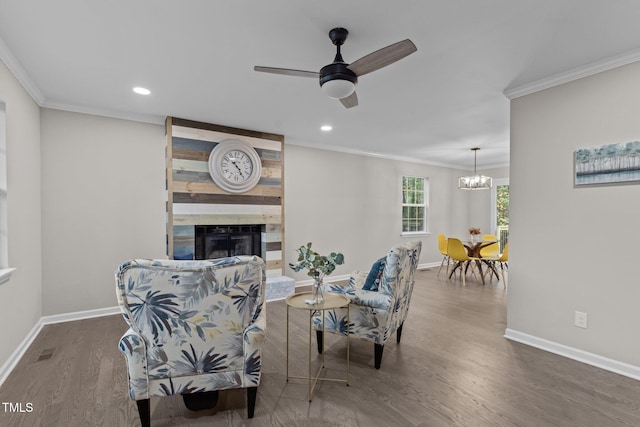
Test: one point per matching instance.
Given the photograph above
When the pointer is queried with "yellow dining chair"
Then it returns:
(457, 252)
(502, 260)
(442, 247)
(489, 237)
(492, 250)
(489, 255)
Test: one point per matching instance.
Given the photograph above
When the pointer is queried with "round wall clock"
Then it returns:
(235, 166)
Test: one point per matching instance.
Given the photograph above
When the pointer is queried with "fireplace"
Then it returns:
(219, 241)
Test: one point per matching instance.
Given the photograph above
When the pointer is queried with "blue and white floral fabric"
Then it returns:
(193, 325)
(375, 316)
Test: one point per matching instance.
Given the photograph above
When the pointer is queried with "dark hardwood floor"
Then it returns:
(453, 367)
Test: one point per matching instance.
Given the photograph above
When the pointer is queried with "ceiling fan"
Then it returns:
(339, 79)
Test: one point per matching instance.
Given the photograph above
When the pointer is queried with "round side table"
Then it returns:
(331, 301)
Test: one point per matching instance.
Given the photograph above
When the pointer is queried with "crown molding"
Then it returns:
(12, 63)
(19, 73)
(574, 74)
(104, 112)
(357, 152)
(335, 148)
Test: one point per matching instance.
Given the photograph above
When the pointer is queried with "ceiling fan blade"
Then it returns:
(287, 72)
(383, 57)
(350, 101)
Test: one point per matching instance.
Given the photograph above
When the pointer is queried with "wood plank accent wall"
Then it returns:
(194, 199)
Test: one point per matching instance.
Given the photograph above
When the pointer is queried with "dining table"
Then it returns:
(473, 248)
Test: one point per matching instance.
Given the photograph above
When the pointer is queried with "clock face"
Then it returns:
(235, 166)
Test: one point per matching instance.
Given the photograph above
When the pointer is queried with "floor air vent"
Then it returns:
(47, 353)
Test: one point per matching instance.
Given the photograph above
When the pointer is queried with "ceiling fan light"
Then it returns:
(338, 88)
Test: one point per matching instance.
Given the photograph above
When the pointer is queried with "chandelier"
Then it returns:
(475, 182)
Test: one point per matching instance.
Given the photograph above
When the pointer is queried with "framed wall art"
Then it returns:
(611, 164)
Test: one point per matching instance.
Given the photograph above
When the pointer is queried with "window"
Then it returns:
(5, 272)
(3, 190)
(500, 209)
(414, 204)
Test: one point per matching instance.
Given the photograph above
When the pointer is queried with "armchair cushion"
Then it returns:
(375, 275)
(357, 279)
(372, 299)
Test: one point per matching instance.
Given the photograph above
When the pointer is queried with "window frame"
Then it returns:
(424, 205)
(5, 270)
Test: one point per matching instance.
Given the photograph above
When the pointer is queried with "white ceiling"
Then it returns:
(197, 58)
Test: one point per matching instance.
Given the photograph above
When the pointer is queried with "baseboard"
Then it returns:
(428, 265)
(328, 279)
(17, 354)
(80, 315)
(592, 359)
(15, 357)
(276, 299)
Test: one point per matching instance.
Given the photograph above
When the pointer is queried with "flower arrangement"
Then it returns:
(318, 265)
(474, 231)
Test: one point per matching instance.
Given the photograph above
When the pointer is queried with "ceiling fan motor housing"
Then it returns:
(337, 71)
(337, 81)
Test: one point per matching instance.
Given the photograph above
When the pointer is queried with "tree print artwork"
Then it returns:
(608, 164)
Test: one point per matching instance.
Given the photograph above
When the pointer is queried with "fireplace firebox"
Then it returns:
(219, 241)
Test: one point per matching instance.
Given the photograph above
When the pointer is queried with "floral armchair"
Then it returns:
(375, 314)
(194, 327)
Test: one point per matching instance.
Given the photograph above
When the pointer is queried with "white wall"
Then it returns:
(351, 204)
(575, 248)
(103, 202)
(21, 297)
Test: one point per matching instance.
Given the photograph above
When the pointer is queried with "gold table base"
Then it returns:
(331, 301)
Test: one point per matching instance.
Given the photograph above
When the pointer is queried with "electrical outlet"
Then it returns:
(580, 319)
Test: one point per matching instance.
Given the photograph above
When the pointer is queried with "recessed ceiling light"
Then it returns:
(141, 91)
(326, 128)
